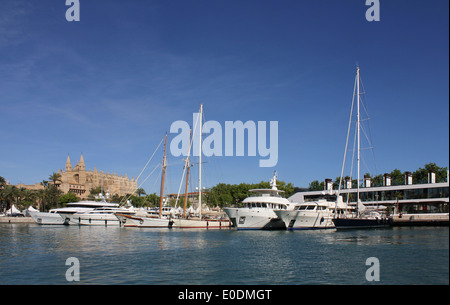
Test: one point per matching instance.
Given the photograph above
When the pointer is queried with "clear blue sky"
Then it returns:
(110, 85)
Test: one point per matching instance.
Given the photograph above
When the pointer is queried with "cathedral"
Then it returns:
(80, 181)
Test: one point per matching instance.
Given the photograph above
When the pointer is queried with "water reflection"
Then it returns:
(113, 255)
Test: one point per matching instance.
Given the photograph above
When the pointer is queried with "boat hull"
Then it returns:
(143, 221)
(44, 218)
(299, 220)
(254, 219)
(359, 223)
(93, 220)
(201, 224)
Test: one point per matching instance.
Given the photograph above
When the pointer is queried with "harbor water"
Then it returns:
(33, 254)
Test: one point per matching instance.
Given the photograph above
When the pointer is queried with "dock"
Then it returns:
(9, 219)
(432, 219)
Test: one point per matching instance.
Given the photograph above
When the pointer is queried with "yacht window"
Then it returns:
(310, 207)
(303, 207)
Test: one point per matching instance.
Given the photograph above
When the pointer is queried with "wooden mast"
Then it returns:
(162, 178)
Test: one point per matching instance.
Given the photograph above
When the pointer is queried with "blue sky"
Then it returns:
(110, 85)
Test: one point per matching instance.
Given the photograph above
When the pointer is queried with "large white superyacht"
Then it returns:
(258, 212)
(103, 216)
(55, 216)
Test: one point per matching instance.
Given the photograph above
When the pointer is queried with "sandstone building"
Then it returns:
(79, 181)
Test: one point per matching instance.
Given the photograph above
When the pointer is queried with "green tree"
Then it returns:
(55, 177)
(316, 185)
(66, 198)
(421, 174)
(140, 191)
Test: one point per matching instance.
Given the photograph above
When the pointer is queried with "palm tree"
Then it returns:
(140, 191)
(54, 192)
(40, 194)
(9, 194)
(55, 177)
(2, 185)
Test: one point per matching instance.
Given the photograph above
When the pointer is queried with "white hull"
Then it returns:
(201, 224)
(304, 220)
(93, 219)
(254, 218)
(44, 218)
(143, 221)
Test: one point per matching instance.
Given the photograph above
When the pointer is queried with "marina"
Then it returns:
(209, 143)
(36, 254)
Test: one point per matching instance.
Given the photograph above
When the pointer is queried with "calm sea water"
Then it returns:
(33, 254)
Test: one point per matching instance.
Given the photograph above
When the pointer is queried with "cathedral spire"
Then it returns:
(68, 164)
(81, 164)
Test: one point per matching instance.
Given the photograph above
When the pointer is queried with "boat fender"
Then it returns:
(141, 221)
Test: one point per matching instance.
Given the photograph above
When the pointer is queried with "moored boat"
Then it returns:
(258, 212)
(311, 215)
(55, 216)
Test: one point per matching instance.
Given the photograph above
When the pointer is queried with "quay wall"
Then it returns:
(441, 219)
(8, 219)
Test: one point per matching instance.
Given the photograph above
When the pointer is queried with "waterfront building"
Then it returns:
(80, 181)
(428, 197)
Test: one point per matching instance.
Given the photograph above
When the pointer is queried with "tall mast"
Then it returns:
(188, 165)
(200, 161)
(162, 178)
(358, 138)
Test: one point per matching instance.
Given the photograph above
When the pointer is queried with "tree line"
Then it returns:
(220, 195)
(397, 177)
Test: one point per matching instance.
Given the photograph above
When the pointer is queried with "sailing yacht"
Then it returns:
(198, 222)
(150, 220)
(363, 217)
(258, 212)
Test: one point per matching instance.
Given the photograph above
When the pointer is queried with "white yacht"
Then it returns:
(55, 216)
(102, 216)
(259, 209)
(311, 215)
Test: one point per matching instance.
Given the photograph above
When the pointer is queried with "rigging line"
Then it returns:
(348, 134)
(187, 160)
(129, 195)
(144, 168)
(157, 165)
(150, 158)
(351, 167)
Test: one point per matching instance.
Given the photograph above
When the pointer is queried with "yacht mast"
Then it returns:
(188, 165)
(162, 178)
(200, 161)
(358, 139)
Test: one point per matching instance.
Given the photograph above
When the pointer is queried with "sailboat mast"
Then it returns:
(200, 161)
(188, 165)
(358, 138)
(162, 178)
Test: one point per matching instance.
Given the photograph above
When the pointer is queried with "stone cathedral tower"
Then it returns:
(78, 180)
